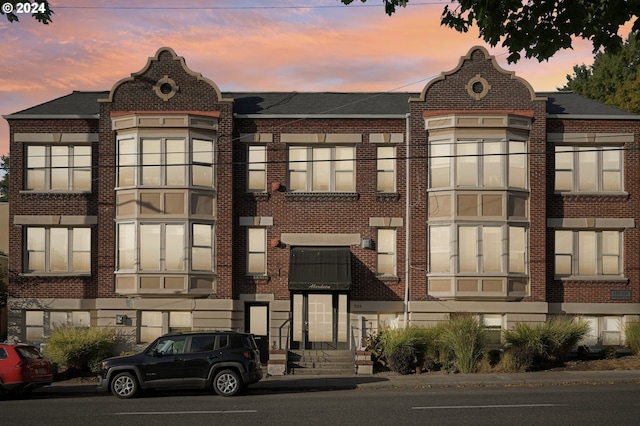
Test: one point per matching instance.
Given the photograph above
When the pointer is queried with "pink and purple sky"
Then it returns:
(245, 45)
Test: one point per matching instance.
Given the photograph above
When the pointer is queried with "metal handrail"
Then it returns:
(287, 321)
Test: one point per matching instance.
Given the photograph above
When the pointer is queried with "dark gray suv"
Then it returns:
(221, 360)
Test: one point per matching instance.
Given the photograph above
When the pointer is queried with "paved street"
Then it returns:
(590, 398)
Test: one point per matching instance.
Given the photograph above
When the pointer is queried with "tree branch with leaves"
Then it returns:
(538, 29)
(38, 10)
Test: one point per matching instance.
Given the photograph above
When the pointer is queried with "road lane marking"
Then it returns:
(454, 407)
(162, 413)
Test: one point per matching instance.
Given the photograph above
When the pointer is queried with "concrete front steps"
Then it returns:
(321, 362)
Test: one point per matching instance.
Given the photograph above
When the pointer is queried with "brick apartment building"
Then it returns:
(166, 204)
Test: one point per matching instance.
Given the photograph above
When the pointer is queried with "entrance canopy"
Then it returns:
(320, 268)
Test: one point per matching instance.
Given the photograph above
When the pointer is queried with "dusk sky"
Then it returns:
(245, 45)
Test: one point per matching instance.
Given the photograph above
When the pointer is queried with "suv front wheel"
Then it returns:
(124, 385)
(227, 383)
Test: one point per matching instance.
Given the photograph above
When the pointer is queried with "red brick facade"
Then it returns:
(331, 214)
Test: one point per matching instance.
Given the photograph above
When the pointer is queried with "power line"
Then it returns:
(263, 7)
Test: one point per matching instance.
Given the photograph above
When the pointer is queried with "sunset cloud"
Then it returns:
(350, 48)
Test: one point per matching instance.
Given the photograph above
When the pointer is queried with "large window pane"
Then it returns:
(467, 248)
(126, 245)
(440, 249)
(610, 252)
(35, 249)
(440, 164)
(58, 249)
(150, 247)
(466, 163)
(321, 169)
(492, 164)
(257, 179)
(386, 246)
(151, 161)
(612, 169)
(202, 169)
(344, 168)
(257, 244)
(59, 167)
(174, 247)
(587, 253)
(36, 161)
(517, 164)
(202, 250)
(176, 161)
(563, 252)
(386, 169)
(517, 249)
(81, 250)
(126, 162)
(491, 249)
(587, 170)
(82, 168)
(297, 168)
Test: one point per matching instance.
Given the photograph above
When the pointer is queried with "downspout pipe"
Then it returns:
(407, 215)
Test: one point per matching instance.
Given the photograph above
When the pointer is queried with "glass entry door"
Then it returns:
(320, 321)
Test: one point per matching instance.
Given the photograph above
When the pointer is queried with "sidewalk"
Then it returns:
(435, 380)
(284, 384)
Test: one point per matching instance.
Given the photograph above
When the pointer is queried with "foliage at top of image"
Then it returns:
(4, 179)
(41, 11)
(539, 29)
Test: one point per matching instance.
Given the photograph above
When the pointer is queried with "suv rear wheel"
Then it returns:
(227, 383)
(124, 385)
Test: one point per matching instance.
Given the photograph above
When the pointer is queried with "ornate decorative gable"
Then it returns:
(165, 83)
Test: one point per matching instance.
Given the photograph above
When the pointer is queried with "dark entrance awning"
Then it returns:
(320, 268)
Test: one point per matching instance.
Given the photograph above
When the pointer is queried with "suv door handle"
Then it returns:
(212, 356)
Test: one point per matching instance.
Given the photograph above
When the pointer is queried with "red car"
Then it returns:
(22, 368)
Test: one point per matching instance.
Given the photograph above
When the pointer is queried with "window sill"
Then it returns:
(593, 196)
(258, 279)
(52, 192)
(55, 274)
(593, 278)
(258, 195)
(388, 279)
(322, 196)
(387, 196)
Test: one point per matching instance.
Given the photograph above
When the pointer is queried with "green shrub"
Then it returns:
(403, 360)
(80, 349)
(516, 359)
(461, 343)
(550, 341)
(388, 341)
(632, 337)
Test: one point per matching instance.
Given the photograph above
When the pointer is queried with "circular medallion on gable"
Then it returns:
(478, 87)
(165, 88)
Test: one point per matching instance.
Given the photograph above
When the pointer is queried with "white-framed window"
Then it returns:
(34, 326)
(603, 331)
(322, 169)
(154, 324)
(492, 324)
(161, 161)
(386, 250)
(477, 163)
(256, 251)
(70, 318)
(479, 249)
(386, 169)
(162, 247)
(588, 253)
(202, 159)
(58, 167)
(588, 168)
(257, 168)
(202, 250)
(57, 250)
